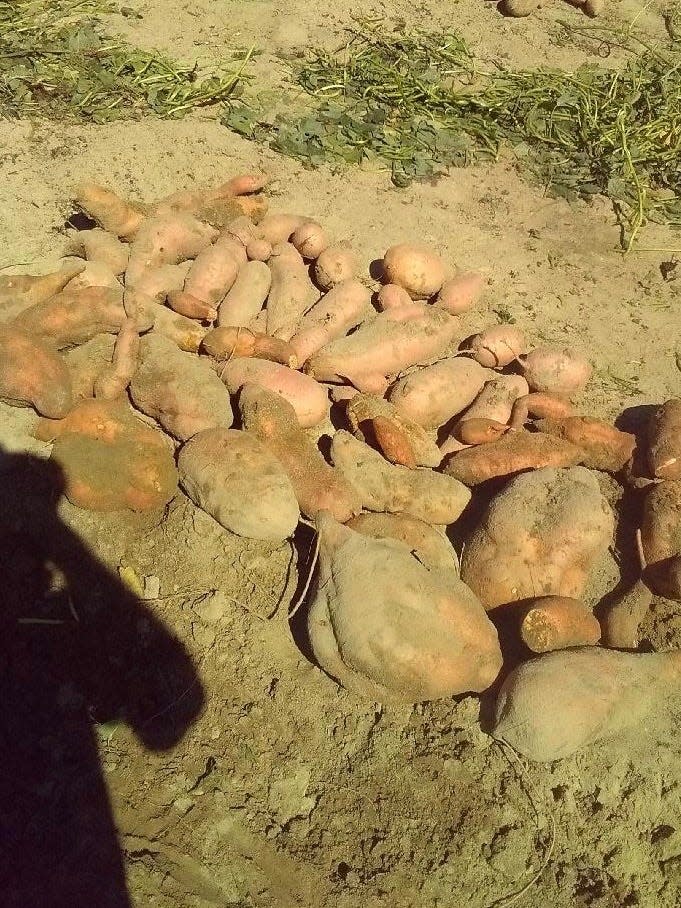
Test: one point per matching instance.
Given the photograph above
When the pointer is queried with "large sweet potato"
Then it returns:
(31, 373)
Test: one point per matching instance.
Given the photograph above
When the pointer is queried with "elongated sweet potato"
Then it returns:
(291, 292)
(113, 213)
(542, 405)
(605, 447)
(664, 441)
(337, 312)
(428, 544)
(227, 343)
(212, 274)
(392, 296)
(383, 346)
(166, 240)
(424, 636)
(620, 622)
(278, 228)
(114, 380)
(400, 439)
(308, 398)
(435, 394)
(513, 453)
(181, 391)
(184, 332)
(540, 536)
(233, 477)
(21, 291)
(382, 486)
(191, 307)
(31, 373)
(246, 296)
(661, 538)
(317, 486)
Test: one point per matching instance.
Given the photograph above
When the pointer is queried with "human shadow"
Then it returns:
(77, 648)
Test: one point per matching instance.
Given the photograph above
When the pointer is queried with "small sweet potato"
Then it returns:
(191, 307)
(291, 292)
(558, 622)
(308, 398)
(114, 380)
(233, 477)
(429, 545)
(228, 342)
(335, 265)
(460, 293)
(542, 405)
(621, 620)
(558, 370)
(310, 240)
(317, 486)
(497, 398)
(157, 283)
(95, 274)
(180, 391)
(32, 373)
(415, 267)
(342, 308)
(512, 453)
(540, 536)
(382, 486)
(99, 245)
(498, 346)
(21, 291)
(247, 295)
(661, 538)
(605, 447)
(478, 431)
(400, 440)
(664, 441)
(113, 213)
(258, 250)
(424, 635)
(435, 394)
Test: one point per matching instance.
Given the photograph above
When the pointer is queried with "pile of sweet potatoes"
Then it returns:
(200, 341)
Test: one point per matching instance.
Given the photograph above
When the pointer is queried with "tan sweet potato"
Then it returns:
(661, 538)
(191, 307)
(382, 486)
(233, 477)
(247, 295)
(317, 486)
(415, 267)
(95, 274)
(400, 440)
(222, 205)
(392, 296)
(229, 342)
(495, 401)
(558, 370)
(664, 441)
(213, 272)
(604, 446)
(558, 622)
(278, 228)
(336, 264)
(166, 240)
(109, 210)
(113, 381)
(310, 240)
(621, 620)
(424, 636)
(542, 405)
(291, 292)
(111, 460)
(158, 283)
(460, 293)
(308, 398)
(180, 391)
(435, 394)
(540, 536)
(182, 331)
(383, 346)
(99, 245)
(512, 453)
(21, 291)
(498, 346)
(87, 362)
(337, 312)
(259, 250)
(31, 373)
(429, 545)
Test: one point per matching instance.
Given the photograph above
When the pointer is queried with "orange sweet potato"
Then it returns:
(113, 213)
(114, 380)
(400, 439)
(604, 446)
(191, 307)
(20, 291)
(228, 342)
(31, 373)
(542, 405)
(557, 622)
(435, 394)
(339, 310)
(183, 331)
(427, 543)
(166, 240)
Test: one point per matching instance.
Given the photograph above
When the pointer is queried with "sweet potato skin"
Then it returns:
(32, 373)
(433, 395)
(558, 622)
(401, 440)
(291, 292)
(20, 291)
(428, 544)
(246, 296)
(661, 538)
(342, 308)
(664, 441)
(605, 447)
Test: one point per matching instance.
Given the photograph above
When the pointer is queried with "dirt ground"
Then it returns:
(287, 790)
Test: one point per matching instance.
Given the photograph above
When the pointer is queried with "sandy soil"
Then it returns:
(287, 790)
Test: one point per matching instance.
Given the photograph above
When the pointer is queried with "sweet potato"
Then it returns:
(558, 622)
(620, 621)
(337, 312)
(166, 240)
(434, 395)
(661, 538)
(334, 265)
(382, 486)
(233, 477)
(542, 405)
(95, 274)
(259, 250)
(245, 231)
(31, 373)
(213, 273)
(189, 199)
(180, 391)
(498, 346)
(429, 545)
(460, 293)
(278, 228)
(99, 245)
(113, 213)
(114, 380)
(158, 283)
(400, 440)
(182, 331)
(512, 453)
(554, 705)
(414, 267)
(497, 398)
(540, 536)
(111, 460)
(317, 486)
(246, 296)
(87, 362)
(424, 636)
(229, 342)
(308, 399)
(664, 441)
(220, 206)
(605, 447)
(310, 239)
(191, 307)
(291, 293)
(392, 296)
(478, 431)
(558, 370)
(383, 346)
(74, 316)
(21, 291)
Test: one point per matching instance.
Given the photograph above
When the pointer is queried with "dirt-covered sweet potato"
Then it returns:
(184, 332)
(158, 282)
(435, 394)
(664, 441)
(246, 296)
(495, 401)
(336, 313)
(278, 228)
(87, 362)
(272, 419)
(307, 397)
(180, 391)
(401, 440)
(20, 291)
(428, 544)
(233, 477)
(33, 374)
(383, 486)
(498, 346)
(389, 628)
(114, 380)
(540, 536)
(558, 622)
(415, 267)
(558, 370)
(99, 245)
(111, 212)
(604, 446)
(166, 240)
(460, 293)
(661, 538)
(390, 342)
(213, 272)
(335, 265)
(512, 453)
(310, 240)
(229, 342)
(291, 291)
(111, 459)
(553, 705)
(95, 274)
